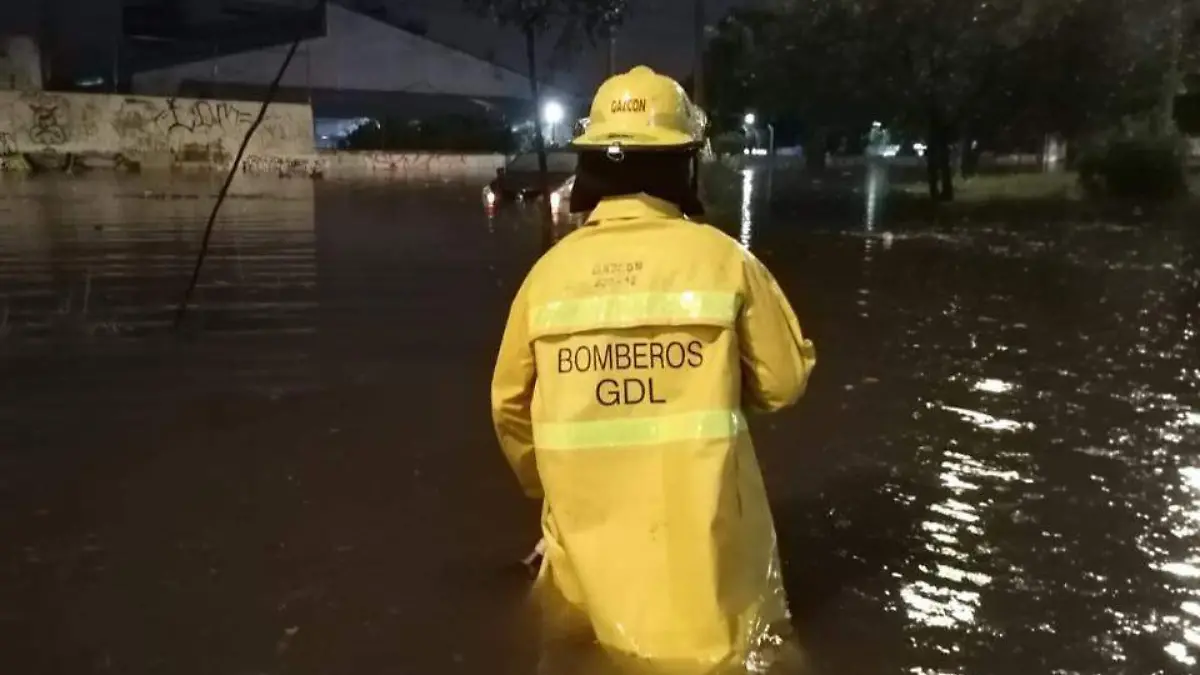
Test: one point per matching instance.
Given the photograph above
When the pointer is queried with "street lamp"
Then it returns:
(552, 114)
(750, 120)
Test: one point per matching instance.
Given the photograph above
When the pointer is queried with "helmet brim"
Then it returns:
(599, 137)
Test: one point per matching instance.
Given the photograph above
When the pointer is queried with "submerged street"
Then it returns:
(996, 469)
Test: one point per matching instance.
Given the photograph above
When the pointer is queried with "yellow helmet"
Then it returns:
(642, 109)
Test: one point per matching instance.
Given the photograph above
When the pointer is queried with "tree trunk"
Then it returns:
(815, 151)
(699, 94)
(938, 166)
(47, 42)
(612, 52)
(947, 171)
(933, 161)
(968, 156)
(1173, 77)
(539, 142)
(931, 169)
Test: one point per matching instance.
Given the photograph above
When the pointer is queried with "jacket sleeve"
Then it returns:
(776, 357)
(512, 392)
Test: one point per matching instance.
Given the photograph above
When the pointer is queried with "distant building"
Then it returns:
(358, 67)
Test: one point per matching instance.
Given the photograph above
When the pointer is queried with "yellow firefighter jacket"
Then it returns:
(631, 351)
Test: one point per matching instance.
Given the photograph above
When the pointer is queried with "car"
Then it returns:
(517, 183)
(560, 203)
(518, 180)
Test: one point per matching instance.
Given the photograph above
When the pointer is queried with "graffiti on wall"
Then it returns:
(189, 130)
(134, 115)
(420, 165)
(171, 124)
(50, 120)
(310, 167)
(134, 123)
(40, 121)
(160, 124)
(201, 116)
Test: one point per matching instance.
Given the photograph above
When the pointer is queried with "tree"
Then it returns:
(477, 132)
(731, 67)
(954, 68)
(813, 65)
(590, 19)
(1166, 35)
(959, 72)
(753, 64)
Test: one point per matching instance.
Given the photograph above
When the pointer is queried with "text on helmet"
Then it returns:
(634, 105)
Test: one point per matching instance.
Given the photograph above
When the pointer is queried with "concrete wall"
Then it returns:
(413, 166)
(418, 167)
(171, 132)
(148, 129)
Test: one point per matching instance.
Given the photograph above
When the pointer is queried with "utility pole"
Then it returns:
(1174, 75)
(613, 22)
(612, 52)
(116, 64)
(698, 57)
(47, 32)
(698, 92)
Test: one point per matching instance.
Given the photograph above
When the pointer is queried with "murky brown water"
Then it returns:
(997, 469)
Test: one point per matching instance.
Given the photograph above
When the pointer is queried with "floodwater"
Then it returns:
(996, 470)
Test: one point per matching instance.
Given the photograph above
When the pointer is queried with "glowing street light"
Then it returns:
(750, 120)
(553, 113)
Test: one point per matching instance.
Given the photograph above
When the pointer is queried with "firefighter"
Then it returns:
(631, 353)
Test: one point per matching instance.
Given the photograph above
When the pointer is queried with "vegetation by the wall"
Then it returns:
(448, 133)
(1134, 162)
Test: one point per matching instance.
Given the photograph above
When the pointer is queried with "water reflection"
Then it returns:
(959, 564)
(80, 258)
(875, 191)
(747, 212)
(1178, 558)
(1017, 411)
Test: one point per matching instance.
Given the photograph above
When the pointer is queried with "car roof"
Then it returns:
(557, 161)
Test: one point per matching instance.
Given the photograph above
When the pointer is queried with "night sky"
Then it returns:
(658, 33)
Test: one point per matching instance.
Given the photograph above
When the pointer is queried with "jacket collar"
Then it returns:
(634, 207)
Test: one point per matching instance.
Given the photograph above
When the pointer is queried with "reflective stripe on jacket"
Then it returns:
(630, 353)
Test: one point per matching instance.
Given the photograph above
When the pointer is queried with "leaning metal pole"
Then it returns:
(181, 311)
(698, 93)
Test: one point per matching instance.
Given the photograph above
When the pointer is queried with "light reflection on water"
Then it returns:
(747, 212)
(949, 591)
(1030, 399)
(113, 257)
(874, 191)
(1181, 629)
